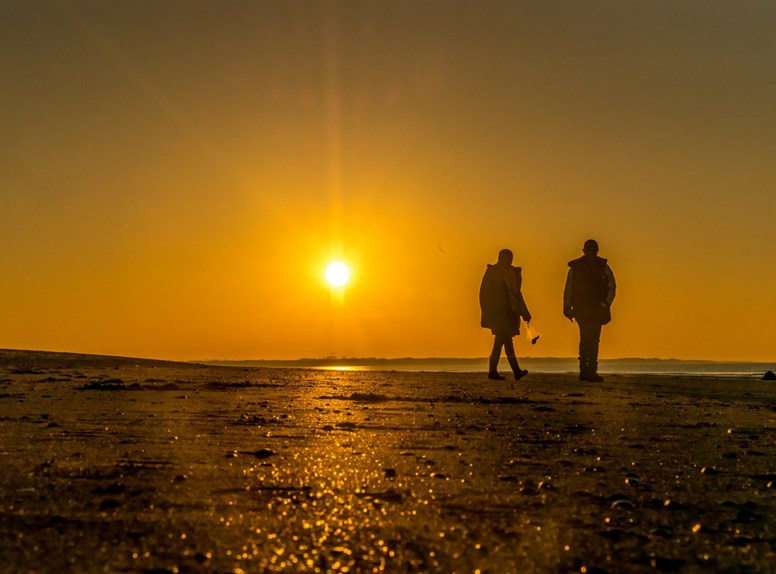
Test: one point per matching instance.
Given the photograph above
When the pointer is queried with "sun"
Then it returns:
(337, 274)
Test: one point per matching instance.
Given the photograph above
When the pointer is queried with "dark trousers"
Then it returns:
(589, 338)
(503, 340)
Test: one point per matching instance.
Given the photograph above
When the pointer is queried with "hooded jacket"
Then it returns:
(501, 300)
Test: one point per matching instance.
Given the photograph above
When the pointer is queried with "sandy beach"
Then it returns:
(122, 465)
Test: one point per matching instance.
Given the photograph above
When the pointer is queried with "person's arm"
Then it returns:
(524, 312)
(568, 311)
(611, 284)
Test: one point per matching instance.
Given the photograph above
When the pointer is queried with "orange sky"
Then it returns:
(176, 175)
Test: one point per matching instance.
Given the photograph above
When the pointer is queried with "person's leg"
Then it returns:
(583, 371)
(509, 349)
(589, 339)
(595, 339)
(495, 355)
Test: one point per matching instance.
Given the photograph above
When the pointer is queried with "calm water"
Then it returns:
(654, 367)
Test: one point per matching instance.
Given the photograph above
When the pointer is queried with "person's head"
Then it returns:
(590, 247)
(505, 257)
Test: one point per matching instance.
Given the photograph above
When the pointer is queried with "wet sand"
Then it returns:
(118, 465)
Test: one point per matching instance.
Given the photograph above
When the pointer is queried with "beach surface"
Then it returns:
(125, 465)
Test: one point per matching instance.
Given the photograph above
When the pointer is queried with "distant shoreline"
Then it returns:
(376, 361)
(623, 366)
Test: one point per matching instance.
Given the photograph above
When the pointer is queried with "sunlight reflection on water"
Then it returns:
(342, 368)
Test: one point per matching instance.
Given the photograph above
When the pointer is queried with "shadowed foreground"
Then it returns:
(136, 466)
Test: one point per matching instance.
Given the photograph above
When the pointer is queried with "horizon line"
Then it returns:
(334, 360)
(377, 360)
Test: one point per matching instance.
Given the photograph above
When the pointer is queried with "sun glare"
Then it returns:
(337, 274)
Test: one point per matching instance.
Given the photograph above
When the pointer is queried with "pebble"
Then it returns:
(623, 503)
(391, 496)
(264, 453)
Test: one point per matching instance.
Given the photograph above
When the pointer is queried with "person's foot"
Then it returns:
(520, 374)
(591, 377)
(495, 377)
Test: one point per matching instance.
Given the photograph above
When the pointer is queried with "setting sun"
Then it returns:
(337, 274)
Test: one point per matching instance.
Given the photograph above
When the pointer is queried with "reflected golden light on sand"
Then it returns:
(341, 368)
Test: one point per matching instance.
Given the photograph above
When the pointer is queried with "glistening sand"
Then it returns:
(111, 465)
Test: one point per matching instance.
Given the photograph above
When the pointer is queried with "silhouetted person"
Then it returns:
(502, 306)
(590, 290)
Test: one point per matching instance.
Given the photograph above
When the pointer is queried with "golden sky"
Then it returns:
(176, 175)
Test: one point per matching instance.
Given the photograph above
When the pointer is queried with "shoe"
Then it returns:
(493, 369)
(519, 373)
(594, 378)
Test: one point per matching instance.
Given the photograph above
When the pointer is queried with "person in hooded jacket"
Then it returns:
(587, 297)
(502, 305)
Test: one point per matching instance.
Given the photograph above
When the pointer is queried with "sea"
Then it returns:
(651, 367)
